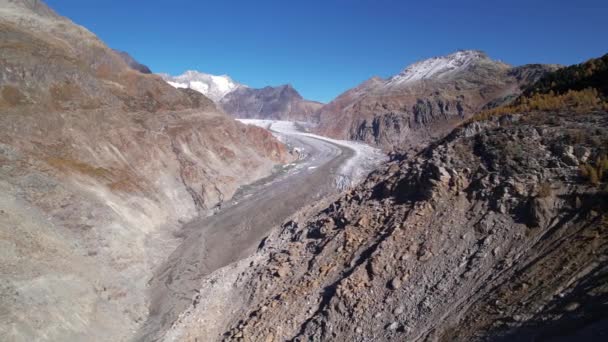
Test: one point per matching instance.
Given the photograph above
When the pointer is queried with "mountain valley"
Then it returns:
(462, 199)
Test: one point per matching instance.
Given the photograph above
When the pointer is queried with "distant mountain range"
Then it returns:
(281, 102)
(424, 101)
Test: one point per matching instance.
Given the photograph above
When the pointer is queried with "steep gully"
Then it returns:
(237, 229)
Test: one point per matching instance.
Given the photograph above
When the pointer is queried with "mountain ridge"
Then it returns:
(425, 100)
(438, 66)
(282, 102)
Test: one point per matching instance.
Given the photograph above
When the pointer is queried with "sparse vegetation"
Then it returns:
(65, 91)
(574, 100)
(105, 71)
(70, 165)
(544, 190)
(595, 173)
(591, 74)
(116, 180)
(12, 96)
(578, 88)
(125, 185)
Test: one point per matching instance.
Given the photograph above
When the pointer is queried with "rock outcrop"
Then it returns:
(100, 165)
(425, 101)
(489, 234)
(276, 103)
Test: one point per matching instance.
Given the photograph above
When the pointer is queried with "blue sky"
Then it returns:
(325, 47)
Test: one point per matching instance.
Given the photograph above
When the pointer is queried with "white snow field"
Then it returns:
(213, 86)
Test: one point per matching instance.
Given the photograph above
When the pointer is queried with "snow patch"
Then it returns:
(214, 87)
(436, 67)
(201, 87)
(178, 85)
(223, 83)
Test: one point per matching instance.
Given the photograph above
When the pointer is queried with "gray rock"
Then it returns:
(399, 310)
(395, 283)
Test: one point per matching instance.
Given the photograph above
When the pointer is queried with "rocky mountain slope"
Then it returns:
(213, 86)
(490, 234)
(100, 165)
(591, 74)
(497, 232)
(424, 101)
(276, 103)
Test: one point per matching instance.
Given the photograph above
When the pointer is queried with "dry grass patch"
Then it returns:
(578, 101)
(65, 91)
(114, 179)
(12, 96)
(70, 165)
(595, 172)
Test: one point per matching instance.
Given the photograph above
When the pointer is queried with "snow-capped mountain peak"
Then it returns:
(437, 67)
(214, 87)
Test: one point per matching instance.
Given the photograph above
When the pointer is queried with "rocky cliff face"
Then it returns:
(490, 234)
(425, 101)
(278, 103)
(99, 166)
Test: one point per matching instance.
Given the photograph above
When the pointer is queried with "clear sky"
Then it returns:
(325, 47)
